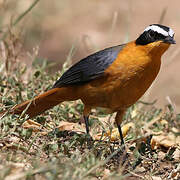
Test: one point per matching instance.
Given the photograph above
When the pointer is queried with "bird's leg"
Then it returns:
(121, 134)
(86, 113)
(118, 119)
(86, 120)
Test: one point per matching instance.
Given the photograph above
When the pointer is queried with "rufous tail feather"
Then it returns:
(41, 102)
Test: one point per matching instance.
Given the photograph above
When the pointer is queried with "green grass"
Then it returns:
(29, 154)
(66, 154)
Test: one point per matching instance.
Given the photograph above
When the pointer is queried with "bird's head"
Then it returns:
(156, 37)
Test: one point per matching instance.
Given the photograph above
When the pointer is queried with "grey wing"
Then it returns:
(89, 68)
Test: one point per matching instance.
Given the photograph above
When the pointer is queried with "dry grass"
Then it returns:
(41, 151)
(45, 152)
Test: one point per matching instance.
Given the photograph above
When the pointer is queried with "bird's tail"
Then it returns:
(43, 102)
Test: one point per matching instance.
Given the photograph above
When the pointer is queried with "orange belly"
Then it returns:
(124, 82)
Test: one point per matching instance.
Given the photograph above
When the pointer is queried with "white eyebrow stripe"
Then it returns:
(160, 30)
(171, 32)
(157, 29)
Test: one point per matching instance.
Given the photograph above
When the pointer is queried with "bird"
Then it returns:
(113, 78)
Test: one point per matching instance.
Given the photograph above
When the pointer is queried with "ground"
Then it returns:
(54, 145)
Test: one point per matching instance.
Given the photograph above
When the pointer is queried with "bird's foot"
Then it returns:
(90, 141)
(123, 155)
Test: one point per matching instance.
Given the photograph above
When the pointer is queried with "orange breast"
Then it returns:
(126, 80)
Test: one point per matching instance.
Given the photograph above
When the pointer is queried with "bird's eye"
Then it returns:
(152, 33)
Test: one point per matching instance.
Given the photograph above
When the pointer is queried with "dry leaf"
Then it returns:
(175, 174)
(166, 141)
(31, 124)
(176, 154)
(114, 134)
(163, 122)
(156, 178)
(106, 174)
(70, 127)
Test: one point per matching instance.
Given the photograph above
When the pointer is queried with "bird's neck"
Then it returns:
(156, 49)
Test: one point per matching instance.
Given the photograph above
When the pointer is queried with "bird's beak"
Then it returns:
(169, 40)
